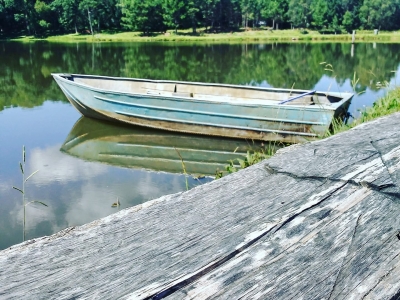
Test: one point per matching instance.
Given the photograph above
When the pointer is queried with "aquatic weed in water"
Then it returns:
(22, 190)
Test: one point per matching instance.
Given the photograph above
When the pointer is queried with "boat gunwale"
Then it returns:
(345, 96)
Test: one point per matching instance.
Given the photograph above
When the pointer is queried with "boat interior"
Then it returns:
(204, 91)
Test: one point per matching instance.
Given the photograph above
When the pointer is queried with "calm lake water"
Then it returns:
(132, 164)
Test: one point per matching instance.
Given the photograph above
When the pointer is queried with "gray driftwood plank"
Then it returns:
(335, 252)
(319, 220)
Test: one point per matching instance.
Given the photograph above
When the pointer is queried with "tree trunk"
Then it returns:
(27, 24)
(194, 26)
(90, 22)
(273, 23)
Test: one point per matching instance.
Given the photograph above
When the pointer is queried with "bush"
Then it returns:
(330, 31)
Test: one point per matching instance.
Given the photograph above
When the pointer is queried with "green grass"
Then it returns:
(251, 35)
(251, 158)
(388, 104)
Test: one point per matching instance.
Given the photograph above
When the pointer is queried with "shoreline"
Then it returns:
(259, 35)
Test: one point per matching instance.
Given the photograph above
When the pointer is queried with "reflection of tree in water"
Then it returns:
(281, 65)
(186, 63)
(371, 64)
(25, 78)
(24, 75)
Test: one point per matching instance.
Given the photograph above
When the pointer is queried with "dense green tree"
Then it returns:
(90, 7)
(228, 14)
(7, 21)
(174, 12)
(69, 14)
(247, 8)
(145, 16)
(193, 10)
(39, 16)
(334, 14)
(25, 14)
(208, 8)
(46, 17)
(380, 14)
(319, 12)
(274, 10)
(348, 21)
(108, 15)
(350, 10)
(299, 13)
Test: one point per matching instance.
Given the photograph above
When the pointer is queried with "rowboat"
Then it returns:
(145, 148)
(247, 112)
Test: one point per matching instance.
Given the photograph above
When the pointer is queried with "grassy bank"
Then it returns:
(388, 104)
(250, 35)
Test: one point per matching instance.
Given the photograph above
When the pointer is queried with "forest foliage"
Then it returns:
(44, 17)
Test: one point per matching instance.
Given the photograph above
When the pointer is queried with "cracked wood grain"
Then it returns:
(341, 267)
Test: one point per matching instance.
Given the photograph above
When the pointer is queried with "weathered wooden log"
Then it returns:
(319, 220)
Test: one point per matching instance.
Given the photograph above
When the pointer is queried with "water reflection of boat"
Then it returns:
(203, 108)
(138, 147)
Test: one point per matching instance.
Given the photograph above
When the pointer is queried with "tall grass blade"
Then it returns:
(31, 175)
(36, 201)
(291, 89)
(22, 166)
(15, 188)
(184, 169)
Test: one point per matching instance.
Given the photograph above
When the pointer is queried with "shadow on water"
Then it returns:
(137, 147)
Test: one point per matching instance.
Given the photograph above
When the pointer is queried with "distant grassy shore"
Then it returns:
(251, 35)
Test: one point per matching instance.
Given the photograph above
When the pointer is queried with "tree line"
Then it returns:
(41, 17)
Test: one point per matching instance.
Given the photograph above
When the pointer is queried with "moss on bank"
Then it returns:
(255, 35)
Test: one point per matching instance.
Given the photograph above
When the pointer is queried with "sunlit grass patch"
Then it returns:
(241, 35)
(388, 104)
